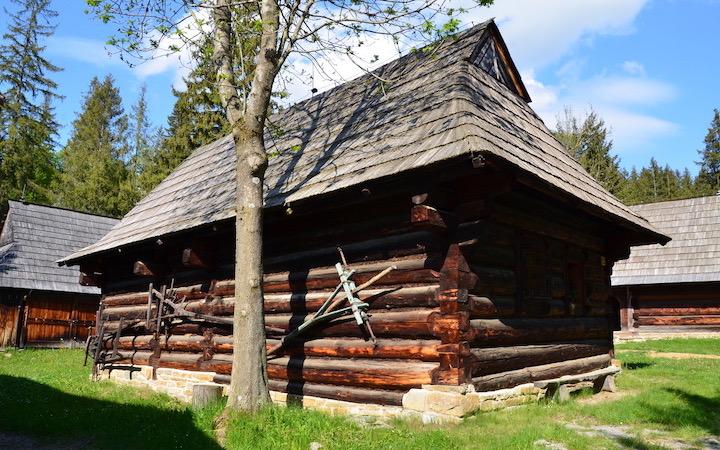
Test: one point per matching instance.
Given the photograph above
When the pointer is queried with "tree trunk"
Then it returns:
(249, 386)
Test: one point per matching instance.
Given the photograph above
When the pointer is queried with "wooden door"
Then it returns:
(58, 319)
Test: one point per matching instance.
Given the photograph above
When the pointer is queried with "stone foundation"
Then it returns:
(429, 404)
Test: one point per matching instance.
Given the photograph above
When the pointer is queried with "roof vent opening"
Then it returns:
(488, 59)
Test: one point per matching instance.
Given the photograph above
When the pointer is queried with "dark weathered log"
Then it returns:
(367, 373)
(424, 350)
(383, 248)
(487, 361)
(690, 310)
(491, 281)
(491, 332)
(409, 272)
(489, 254)
(676, 320)
(547, 371)
(345, 393)
(405, 323)
(491, 307)
(417, 349)
(377, 298)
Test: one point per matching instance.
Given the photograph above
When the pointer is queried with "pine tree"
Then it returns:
(710, 162)
(197, 119)
(93, 163)
(590, 144)
(143, 147)
(27, 122)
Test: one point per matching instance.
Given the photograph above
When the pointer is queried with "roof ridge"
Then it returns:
(62, 208)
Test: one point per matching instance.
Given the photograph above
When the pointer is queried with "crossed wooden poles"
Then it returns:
(169, 307)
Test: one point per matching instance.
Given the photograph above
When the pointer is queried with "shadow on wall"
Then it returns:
(38, 410)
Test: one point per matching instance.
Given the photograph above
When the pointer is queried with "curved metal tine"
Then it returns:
(329, 299)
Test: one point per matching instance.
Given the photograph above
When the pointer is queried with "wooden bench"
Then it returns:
(558, 389)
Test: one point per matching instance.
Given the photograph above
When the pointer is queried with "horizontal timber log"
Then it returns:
(403, 323)
(374, 249)
(345, 393)
(424, 350)
(413, 323)
(538, 373)
(680, 311)
(390, 374)
(487, 361)
(408, 272)
(493, 332)
(677, 320)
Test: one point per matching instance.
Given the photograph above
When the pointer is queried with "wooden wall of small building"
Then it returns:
(670, 307)
(492, 290)
(10, 301)
(31, 318)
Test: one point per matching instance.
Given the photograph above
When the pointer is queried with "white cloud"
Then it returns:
(541, 32)
(620, 101)
(633, 68)
(84, 50)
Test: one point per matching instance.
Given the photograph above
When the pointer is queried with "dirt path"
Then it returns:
(673, 355)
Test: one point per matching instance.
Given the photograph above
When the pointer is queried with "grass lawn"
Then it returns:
(689, 345)
(47, 394)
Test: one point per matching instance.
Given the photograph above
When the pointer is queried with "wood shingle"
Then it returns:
(421, 109)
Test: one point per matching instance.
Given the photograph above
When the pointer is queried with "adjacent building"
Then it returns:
(673, 289)
(42, 304)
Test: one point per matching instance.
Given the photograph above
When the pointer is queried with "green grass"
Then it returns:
(689, 345)
(47, 394)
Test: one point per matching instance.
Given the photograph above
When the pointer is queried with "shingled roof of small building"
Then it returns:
(693, 255)
(35, 236)
(421, 109)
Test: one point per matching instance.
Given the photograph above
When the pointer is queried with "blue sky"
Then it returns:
(649, 68)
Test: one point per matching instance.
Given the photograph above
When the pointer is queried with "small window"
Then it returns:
(488, 59)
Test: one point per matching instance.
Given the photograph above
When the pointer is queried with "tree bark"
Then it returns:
(249, 385)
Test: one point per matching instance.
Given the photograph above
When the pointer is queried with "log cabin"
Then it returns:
(41, 304)
(673, 290)
(435, 165)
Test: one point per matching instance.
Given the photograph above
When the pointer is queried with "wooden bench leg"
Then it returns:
(558, 393)
(606, 383)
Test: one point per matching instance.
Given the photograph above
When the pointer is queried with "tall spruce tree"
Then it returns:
(143, 148)
(27, 123)
(197, 118)
(588, 141)
(93, 163)
(710, 156)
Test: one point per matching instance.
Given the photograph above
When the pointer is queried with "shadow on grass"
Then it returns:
(696, 410)
(38, 410)
(635, 365)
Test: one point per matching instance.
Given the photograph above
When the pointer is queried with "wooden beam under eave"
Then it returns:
(86, 279)
(197, 258)
(147, 269)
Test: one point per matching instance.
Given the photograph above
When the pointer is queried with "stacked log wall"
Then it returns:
(336, 361)
(539, 307)
(672, 307)
(491, 289)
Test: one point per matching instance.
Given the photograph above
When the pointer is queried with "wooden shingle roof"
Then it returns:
(430, 106)
(693, 255)
(34, 237)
